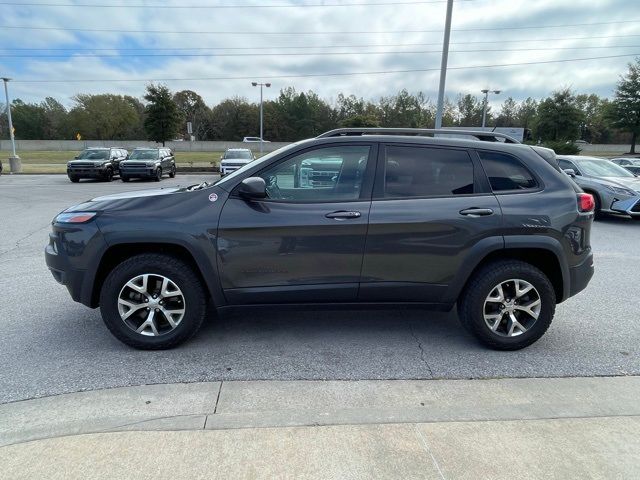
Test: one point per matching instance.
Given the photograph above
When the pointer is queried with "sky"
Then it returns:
(218, 47)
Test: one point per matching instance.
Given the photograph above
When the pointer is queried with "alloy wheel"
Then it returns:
(151, 304)
(512, 307)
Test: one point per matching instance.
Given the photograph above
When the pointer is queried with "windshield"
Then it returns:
(258, 162)
(144, 155)
(94, 155)
(602, 168)
(244, 154)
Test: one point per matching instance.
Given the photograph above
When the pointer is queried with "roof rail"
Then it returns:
(486, 136)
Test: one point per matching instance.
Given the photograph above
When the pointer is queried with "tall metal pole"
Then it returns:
(255, 84)
(261, 141)
(6, 94)
(484, 108)
(443, 64)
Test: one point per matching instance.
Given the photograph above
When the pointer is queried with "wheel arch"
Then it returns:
(544, 253)
(117, 253)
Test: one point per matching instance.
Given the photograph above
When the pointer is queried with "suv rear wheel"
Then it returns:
(153, 301)
(508, 305)
(108, 175)
(172, 172)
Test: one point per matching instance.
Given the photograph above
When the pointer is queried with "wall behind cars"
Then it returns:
(74, 145)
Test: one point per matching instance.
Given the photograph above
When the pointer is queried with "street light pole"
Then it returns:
(484, 104)
(255, 84)
(14, 160)
(443, 63)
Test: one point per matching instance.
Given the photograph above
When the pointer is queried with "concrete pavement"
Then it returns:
(502, 428)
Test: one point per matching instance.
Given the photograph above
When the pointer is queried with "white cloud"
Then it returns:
(535, 80)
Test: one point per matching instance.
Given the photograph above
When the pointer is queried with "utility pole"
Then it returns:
(255, 84)
(14, 160)
(443, 64)
(484, 104)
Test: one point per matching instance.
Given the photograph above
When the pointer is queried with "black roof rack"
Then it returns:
(485, 136)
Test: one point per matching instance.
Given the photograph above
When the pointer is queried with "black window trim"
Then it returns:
(367, 181)
(539, 183)
(479, 181)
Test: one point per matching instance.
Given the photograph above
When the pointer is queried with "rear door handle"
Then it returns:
(476, 212)
(343, 215)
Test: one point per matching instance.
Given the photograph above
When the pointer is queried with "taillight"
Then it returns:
(586, 203)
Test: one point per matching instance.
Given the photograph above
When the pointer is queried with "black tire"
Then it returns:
(158, 176)
(124, 179)
(172, 172)
(108, 175)
(195, 300)
(472, 303)
(74, 179)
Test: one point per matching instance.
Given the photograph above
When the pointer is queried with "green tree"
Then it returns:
(56, 119)
(625, 111)
(233, 119)
(105, 117)
(28, 120)
(193, 110)
(470, 110)
(405, 110)
(559, 117)
(527, 113)
(162, 117)
(596, 126)
(359, 121)
(508, 114)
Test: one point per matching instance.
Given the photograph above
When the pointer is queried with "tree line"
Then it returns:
(162, 115)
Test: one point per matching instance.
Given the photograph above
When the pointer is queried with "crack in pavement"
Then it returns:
(22, 239)
(415, 337)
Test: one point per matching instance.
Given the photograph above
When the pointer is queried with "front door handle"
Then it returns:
(343, 215)
(476, 212)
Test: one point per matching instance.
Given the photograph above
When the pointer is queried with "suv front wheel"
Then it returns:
(153, 301)
(508, 305)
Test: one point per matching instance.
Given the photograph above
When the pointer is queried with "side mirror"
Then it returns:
(570, 171)
(253, 187)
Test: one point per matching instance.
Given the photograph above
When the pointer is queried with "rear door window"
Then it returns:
(414, 171)
(506, 173)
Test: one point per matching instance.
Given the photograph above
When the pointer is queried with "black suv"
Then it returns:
(355, 216)
(98, 162)
(148, 163)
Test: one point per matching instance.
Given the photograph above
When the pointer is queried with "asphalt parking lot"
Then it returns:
(51, 345)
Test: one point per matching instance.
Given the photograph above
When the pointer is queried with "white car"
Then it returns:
(254, 140)
(234, 158)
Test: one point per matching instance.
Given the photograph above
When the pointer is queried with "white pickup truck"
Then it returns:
(234, 158)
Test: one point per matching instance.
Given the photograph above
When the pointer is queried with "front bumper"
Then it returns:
(86, 172)
(630, 206)
(580, 275)
(71, 255)
(138, 172)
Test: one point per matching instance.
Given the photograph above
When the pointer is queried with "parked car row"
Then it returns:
(108, 162)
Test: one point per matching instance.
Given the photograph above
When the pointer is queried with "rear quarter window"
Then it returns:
(506, 173)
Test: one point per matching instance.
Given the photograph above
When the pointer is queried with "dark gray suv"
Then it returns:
(355, 216)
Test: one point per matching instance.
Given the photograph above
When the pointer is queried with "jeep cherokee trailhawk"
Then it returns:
(354, 216)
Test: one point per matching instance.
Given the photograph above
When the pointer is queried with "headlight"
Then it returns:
(620, 190)
(74, 217)
(150, 164)
(98, 164)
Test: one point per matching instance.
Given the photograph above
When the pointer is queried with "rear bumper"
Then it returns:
(580, 275)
